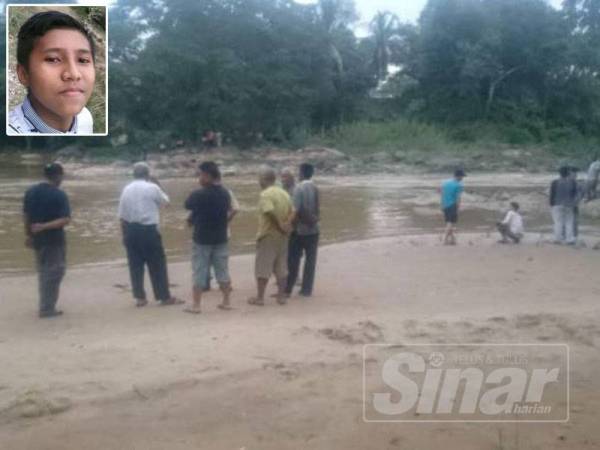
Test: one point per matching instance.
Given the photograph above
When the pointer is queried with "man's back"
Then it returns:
(140, 203)
(514, 220)
(451, 190)
(210, 208)
(563, 192)
(45, 203)
(307, 205)
(273, 200)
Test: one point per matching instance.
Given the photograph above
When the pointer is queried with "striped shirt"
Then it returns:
(24, 120)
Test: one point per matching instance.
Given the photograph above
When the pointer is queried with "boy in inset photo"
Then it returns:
(56, 63)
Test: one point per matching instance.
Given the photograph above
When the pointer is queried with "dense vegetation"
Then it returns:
(516, 71)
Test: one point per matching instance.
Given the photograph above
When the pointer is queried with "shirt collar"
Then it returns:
(39, 124)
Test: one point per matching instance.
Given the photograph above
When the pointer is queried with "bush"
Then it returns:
(515, 135)
(366, 137)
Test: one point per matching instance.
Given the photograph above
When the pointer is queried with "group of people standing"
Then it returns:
(288, 229)
(566, 194)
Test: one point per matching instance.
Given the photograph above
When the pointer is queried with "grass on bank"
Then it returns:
(402, 135)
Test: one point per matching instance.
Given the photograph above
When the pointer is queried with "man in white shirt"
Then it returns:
(512, 225)
(139, 212)
(592, 179)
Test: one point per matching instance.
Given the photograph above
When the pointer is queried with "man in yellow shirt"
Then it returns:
(275, 212)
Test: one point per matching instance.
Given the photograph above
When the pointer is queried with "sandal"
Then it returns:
(256, 302)
(172, 301)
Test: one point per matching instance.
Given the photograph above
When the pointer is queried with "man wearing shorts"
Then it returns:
(210, 207)
(274, 216)
(451, 191)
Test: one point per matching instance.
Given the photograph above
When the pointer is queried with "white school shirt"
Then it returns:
(514, 221)
(24, 120)
(140, 203)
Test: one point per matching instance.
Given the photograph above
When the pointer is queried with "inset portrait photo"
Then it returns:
(56, 70)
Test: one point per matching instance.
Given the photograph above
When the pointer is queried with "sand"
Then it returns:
(110, 376)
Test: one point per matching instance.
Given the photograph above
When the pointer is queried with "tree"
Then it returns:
(384, 27)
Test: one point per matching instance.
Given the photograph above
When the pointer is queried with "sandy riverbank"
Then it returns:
(109, 376)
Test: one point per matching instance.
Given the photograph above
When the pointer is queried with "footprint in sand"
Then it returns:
(441, 325)
(123, 287)
(498, 319)
(419, 334)
(482, 330)
(528, 320)
(365, 332)
(34, 404)
(289, 372)
(396, 441)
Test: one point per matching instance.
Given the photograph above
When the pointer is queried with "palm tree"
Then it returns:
(384, 26)
(336, 13)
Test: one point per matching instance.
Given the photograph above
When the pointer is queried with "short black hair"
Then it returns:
(210, 168)
(514, 205)
(307, 170)
(53, 171)
(41, 23)
(564, 171)
(459, 173)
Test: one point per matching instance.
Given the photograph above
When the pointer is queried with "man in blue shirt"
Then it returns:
(46, 212)
(451, 191)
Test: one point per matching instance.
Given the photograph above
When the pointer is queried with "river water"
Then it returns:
(352, 208)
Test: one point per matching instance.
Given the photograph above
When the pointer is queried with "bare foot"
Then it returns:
(192, 310)
(224, 307)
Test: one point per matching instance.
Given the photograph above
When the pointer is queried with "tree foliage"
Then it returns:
(507, 61)
(277, 70)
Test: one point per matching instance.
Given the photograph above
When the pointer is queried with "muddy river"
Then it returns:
(352, 208)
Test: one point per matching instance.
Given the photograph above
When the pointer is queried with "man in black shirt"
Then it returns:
(210, 208)
(46, 212)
